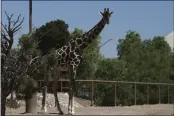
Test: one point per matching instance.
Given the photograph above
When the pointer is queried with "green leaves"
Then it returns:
(111, 69)
(53, 34)
(77, 32)
(140, 60)
(146, 58)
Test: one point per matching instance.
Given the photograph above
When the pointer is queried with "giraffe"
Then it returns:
(70, 55)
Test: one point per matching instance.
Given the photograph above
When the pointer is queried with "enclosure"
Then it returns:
(154, 93)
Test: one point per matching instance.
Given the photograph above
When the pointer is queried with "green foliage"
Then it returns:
(125, 47)
(104, 94)
(29, 54)
(53, 34)
(139, 60)
(28, 45)
(148, 59)
(111, 69)
(172, 74)
(77, 32)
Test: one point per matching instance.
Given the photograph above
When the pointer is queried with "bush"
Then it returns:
(12, 103)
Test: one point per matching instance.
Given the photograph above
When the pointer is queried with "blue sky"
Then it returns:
(147, 18)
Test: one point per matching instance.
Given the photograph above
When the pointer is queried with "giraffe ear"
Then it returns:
(101, 13)
(111, 13)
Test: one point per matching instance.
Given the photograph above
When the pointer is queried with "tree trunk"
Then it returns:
(3, 102)
(31, 104)
(31, 97)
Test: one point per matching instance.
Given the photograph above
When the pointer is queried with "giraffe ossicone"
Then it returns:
(70, 55)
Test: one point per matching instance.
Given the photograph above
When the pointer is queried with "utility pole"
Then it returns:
(30, 16)
(31, 102)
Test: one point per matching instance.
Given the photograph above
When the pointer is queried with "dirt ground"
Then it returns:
(82, 107)
(158, 109)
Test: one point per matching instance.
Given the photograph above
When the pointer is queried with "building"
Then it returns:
(170, 40)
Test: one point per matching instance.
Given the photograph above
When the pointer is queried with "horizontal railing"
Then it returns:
(115, 90)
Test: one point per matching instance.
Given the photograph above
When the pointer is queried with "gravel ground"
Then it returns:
(83, 108)
(50, 100)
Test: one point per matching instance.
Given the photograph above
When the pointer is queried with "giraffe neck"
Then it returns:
(94, 32)
(78, 44)
(88, 37)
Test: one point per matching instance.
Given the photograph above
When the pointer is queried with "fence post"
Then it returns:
(115, 94)
(168, 93)
(92, 92)
(40, 86)
(61, 85)
(147, 93)
(159, 95)
(135, 92)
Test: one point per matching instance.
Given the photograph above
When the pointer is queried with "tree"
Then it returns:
(17, 65)
(158, 57)
(28, 48)
(52, 35)
(111, 69)
(172, 75)
(116, 70)
(49, 37)
(8, 31)
(7, 37)
(16, 69)
(130, 50)
(147, 60)
(132, 40)
(153, 55)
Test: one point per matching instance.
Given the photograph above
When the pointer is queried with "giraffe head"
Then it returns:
(106, 15)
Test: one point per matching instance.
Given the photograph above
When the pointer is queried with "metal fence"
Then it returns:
(93, 82)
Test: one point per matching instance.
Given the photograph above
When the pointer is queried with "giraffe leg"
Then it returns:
(72, 97)
(56, 98)
(44, 108)
(71, 109)
(55, 102)
(44, 89)
(69, 103)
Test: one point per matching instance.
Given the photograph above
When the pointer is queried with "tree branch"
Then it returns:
(4, 27)
(18, 26)
(33, 60)
(15, 22)
(8, 31)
